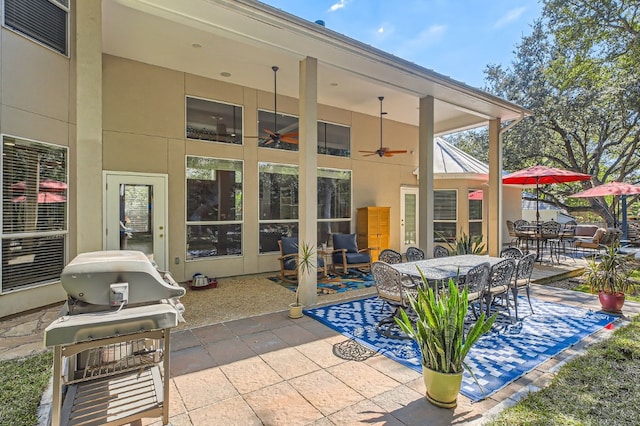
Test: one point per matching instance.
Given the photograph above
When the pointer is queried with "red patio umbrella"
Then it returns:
(476, 195)
(43, 198)
(611, 188)
(542, 175)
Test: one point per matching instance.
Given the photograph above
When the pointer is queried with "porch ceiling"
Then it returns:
(246, 38)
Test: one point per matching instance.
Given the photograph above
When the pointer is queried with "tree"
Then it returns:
(576, 72)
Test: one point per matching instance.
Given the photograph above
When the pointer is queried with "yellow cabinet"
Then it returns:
(373, 227)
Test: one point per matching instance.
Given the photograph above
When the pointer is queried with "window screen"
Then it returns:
(34, 212)
(42, 20)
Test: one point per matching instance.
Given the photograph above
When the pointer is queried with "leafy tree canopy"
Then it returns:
(577, 72)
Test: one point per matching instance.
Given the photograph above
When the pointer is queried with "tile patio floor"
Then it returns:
(272, 370)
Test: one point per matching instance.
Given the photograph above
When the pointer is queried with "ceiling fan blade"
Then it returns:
(400, 151)
(289, 140)
(289, 134)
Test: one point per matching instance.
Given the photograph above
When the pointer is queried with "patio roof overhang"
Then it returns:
(245, 39)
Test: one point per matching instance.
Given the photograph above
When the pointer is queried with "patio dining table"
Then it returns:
(443, 268)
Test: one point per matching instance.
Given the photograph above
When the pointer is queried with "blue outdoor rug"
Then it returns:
(335, 283)
(497, 359)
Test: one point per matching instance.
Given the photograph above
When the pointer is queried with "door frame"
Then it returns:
(160, 179)
(403, 191)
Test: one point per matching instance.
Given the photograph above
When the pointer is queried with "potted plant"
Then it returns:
(608, 274)
(439, 330)
(466, 244)
(305, 265)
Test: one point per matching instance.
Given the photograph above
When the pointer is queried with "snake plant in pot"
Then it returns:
(438, 328)
(305, 265)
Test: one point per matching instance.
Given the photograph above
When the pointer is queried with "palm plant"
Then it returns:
(306, 264)
(609, 272)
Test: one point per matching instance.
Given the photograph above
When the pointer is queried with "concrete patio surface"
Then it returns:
(272, 370)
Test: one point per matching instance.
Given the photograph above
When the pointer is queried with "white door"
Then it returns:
(136, 214)
(408, 218)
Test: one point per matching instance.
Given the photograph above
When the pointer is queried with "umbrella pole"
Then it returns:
(624, 217)
(537, 201)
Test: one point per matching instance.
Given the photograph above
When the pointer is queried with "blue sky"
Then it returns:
(457, 38)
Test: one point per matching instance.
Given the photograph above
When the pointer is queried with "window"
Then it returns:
(45, 21)
(34, 212)
(214, 207)
(278, 204)
(213, 121)
(475, 213)
(444, 215)
(334, 139)
(334, 203)
(286, 126)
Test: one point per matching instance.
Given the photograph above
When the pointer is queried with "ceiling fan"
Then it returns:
(284, 135)
(383, 151)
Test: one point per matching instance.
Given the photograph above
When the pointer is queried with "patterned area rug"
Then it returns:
(497, 359)
(335, 283)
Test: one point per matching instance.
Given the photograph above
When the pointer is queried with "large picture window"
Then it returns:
(445, 215)
(475, 213)
(334, 139)
(214, 121)
(214, 207)
(34, 212)
(278, 204)
(285, 125)
(334, 203)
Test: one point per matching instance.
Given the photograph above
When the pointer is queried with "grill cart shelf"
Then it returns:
(112, 343)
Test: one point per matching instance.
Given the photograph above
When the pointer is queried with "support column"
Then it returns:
(88, 150)
(308, 187)
(494, 226)
(425, 164)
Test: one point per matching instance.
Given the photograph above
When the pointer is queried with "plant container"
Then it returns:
(442, 388)
(295, 310)
(611, 302)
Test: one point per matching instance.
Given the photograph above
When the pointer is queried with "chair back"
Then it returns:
(511, 228)
(512, 253)
(345, 241)
(388, 283)
(414, 253)
(501, 273)
(477, 278)
(440, 251)
(390, 256)
(525, 267)
(520, 223)
(289, 245)
(550, 229)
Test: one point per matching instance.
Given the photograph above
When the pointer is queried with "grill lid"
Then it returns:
(89, 277)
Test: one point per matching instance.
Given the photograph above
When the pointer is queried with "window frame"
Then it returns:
(436, 238)
(262, 141)
(240, 138)
(350, 210)
(481, 219)
(61, 4)
(262, 222)
(36, 234)
(328, 123)
(239, 222)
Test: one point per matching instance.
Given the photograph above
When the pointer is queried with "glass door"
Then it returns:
(136, 215)
(408, 218)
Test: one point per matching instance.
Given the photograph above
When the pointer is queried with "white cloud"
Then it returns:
(509, 17)
(381, 30)
(341, 4)
(426, 37)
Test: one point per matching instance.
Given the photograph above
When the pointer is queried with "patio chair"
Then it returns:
(394, 292)
(476, 282)
(511, 228)
(346, 254)
(440, 251)
(512, 253)
(567, 237)
(414, 253)
(390, 256)
(500, 283)
(591, 243)
(289, 260)
(522, 279)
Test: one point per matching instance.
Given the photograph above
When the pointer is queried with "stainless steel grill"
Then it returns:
(112, 340)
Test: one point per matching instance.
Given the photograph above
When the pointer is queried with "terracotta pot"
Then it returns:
(442, 388)
(611, 302)
(295, 311)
